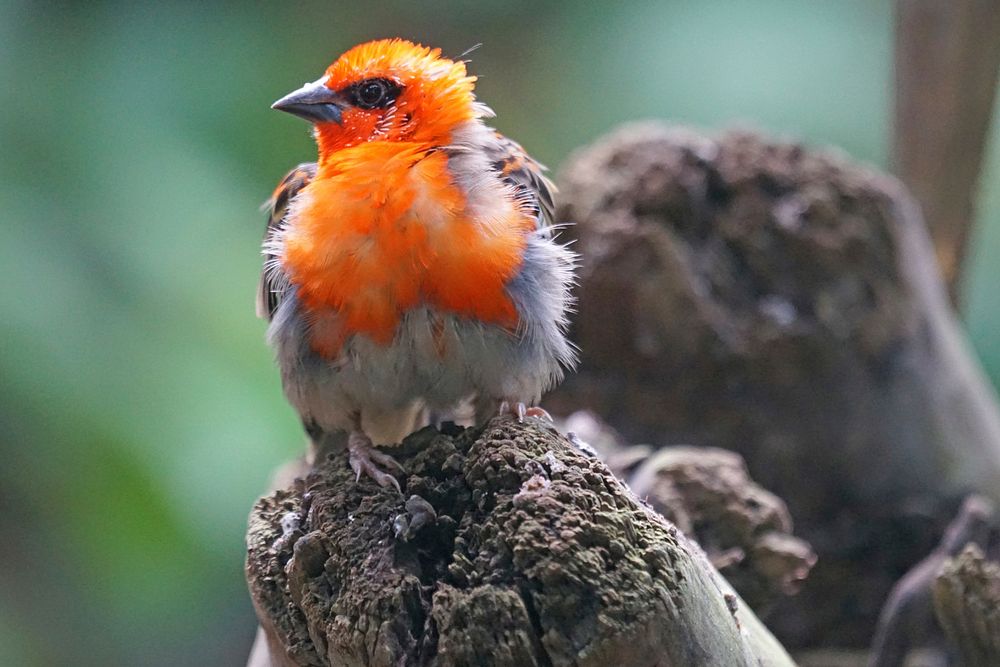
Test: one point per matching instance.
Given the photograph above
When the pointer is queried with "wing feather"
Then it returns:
(525, 174)
(272, 279)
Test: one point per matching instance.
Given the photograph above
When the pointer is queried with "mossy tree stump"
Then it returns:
(513, 548)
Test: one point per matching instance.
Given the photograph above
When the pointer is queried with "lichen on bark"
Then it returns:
(512, 548)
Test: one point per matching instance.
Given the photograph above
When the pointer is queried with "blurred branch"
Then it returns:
(907, 622)
(947, 60)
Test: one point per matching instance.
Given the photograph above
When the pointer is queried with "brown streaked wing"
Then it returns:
(271, 279)
(525, 174)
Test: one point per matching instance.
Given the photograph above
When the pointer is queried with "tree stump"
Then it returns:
(513, 548)
(783, 303)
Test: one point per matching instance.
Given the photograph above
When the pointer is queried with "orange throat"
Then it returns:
(384, 229)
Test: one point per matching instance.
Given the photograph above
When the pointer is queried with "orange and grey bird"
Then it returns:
(413, 267)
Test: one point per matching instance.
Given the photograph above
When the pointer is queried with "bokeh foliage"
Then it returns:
(141, 412)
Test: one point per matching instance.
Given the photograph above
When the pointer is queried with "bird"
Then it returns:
(414, 267)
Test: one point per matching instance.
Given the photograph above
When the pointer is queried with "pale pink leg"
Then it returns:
(538, 413)
(364, 458)
(520, 411)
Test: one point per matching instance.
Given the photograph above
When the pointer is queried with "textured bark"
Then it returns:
(947, 62)
(745, 530)
(514, 549)
(783, 303)
(967, 601)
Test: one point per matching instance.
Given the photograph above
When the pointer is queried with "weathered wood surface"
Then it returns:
(514, 549)
(706, 492)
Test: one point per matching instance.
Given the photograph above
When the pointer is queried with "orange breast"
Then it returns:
(384, 229)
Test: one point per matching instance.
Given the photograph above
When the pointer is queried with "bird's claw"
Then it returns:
(520, 411)
(365, 459)
(538, 413)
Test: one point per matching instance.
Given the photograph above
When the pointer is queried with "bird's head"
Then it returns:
(386, 90)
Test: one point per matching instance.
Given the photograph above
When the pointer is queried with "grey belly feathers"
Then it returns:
(431, 366)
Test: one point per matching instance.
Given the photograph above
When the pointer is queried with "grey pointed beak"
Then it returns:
(314, 102)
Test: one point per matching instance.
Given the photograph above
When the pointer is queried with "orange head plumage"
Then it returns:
(387, 90)
(385, 225)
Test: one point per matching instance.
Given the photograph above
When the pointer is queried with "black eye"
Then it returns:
(374, 93)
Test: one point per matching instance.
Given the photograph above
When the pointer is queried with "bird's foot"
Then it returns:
(520, 411)
(365, 459)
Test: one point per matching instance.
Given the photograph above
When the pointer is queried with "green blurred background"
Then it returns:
(140, 409)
